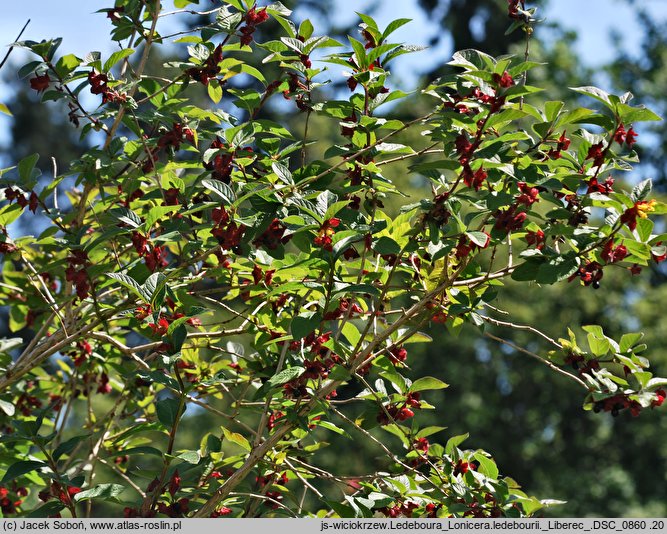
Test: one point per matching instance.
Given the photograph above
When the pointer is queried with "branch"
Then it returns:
(4, 60)
(522, 327)
(540, 359)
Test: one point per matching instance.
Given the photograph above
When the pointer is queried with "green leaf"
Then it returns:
(167, 411)
(21, 468)
(116, 57)
(629, 114)
(101, 491)
(9, 213)
(130, 284)
(386, 245)
(7, 344)
(595, 92)
(294, 44)
(359, 52)
(306, 29)
(126, 216)
(644, 229)
(159, 377)
(157, 213)
(628, 341)
(214, 90)
(478, 238)
(393, 26)
(641, 190)
(7, 407)
(26, 166)
(236, 438)
(286, 375)
(221, 189)
(358, 288)
(153, 286)
(277, 8)
(46, 510)
(151, 451)
(429, 430)
(191, 457)
(552, 109)
(283, 173)
(341, 246)
(486, 465)
(427, 382)
(68, 446)
(301, 325)
(454, 442)
(599, 346)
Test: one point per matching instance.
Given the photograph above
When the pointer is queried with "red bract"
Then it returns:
(465, 246)
(474, 179)
(222, 511)
(617, 403)
(508, 220)
(504, 80)
(591, 273)
(658, 258)
(463, 467)
(325, 234)
(370, 40)
(630, 137)
(160, 328)
(99, 86)
(222, 164)
(596, 187)
(596, 153)
(174, 137)
(115, 13)
(619, 134)
(563, 142)
(174, 482)
(140, 243)
(536, 239)
(104, 386)
(272, 237)
(253, 18)
(78, 276)
(398, 355)
(275, 416)
(513, 7)
(33, 202)
(7, 248)
(640, 210)
(40, 83)
(463, 146)
(156, 259)
(421, 444)
(529, 195)
(209, 69)
(660, 396)
(142, 311)
(612, 254)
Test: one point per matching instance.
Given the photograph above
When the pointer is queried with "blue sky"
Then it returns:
(83, 30)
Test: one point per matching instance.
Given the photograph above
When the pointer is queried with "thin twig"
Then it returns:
(538, 358)
(4, 60)
(522, 327)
